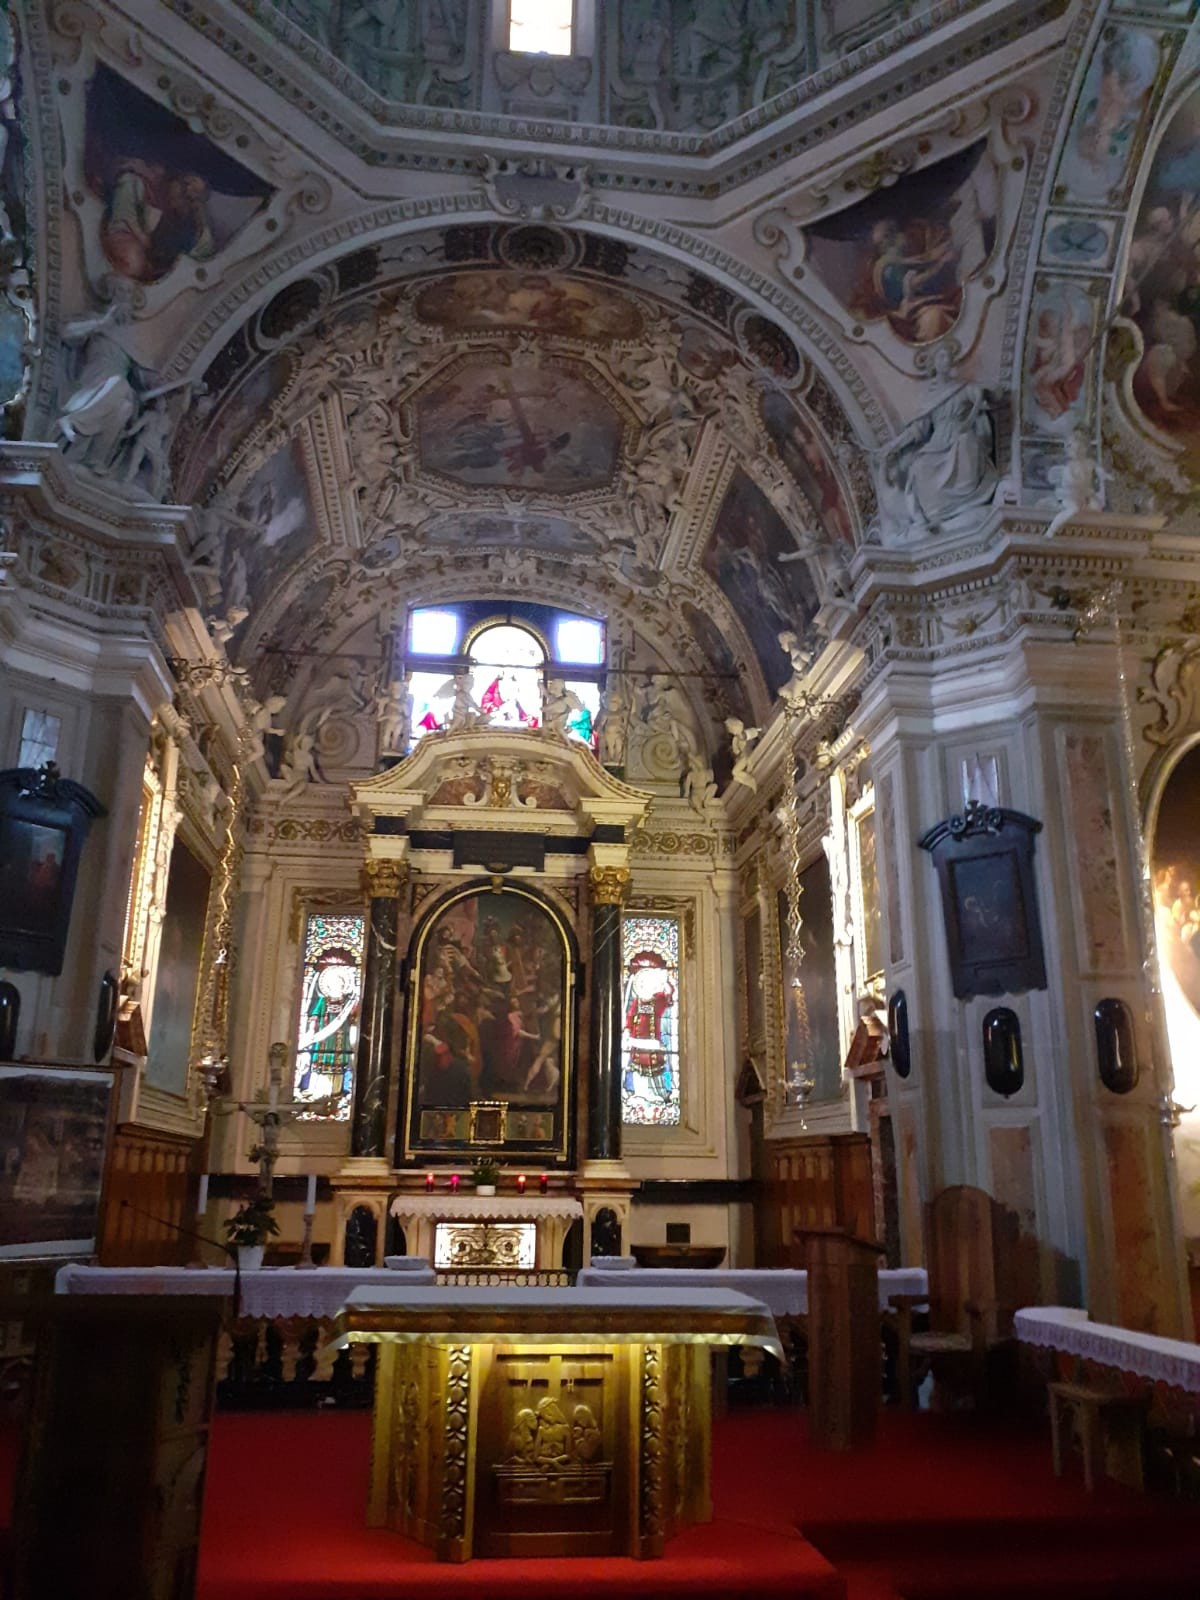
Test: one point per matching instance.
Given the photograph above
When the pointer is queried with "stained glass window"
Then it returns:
(327, 1035)
(650, 1089)
(506, 681)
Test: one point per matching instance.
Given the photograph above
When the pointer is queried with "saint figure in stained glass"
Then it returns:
(650, 1089)
(329, 1009)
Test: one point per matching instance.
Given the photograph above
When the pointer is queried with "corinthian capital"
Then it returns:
(383, 880)
(609, 885)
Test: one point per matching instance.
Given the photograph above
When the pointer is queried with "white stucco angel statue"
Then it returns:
(1079, 482)
(740, 739)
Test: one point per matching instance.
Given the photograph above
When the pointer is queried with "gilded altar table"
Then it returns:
(528, 1422)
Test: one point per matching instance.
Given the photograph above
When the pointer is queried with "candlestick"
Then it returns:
(429, 1183)
(310, 1199)
(544, 1183)
(521, 1183)
(306, 1261)
(202, 1197)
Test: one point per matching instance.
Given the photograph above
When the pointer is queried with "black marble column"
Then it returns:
(608, 886)
(382, 881)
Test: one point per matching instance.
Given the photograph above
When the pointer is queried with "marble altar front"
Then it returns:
(530, 1422)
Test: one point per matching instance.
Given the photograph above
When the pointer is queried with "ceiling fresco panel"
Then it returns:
(519, 427)
(905, 254)
(551, 305)
(275, 526)
(1162, 290)
(805, 456)
(742, 556)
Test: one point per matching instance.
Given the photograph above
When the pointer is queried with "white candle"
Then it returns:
(202, 1197)
(310, 1199)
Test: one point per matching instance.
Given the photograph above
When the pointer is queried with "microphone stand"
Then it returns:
(201, 1238)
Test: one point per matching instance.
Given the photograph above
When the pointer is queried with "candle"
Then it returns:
(202, 1197)
(454, 1183)
(544, 1183)
(429, 1183)
(521, 1183)
(310, 1198)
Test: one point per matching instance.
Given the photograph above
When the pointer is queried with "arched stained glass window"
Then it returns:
(330, 996)
(650, 1088)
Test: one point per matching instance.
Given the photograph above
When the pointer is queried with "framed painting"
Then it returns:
(984, 862)
(491, 1025)
(43, 824)
(54, 1130)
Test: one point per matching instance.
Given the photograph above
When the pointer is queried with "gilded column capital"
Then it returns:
(609, 885)
(383, 880)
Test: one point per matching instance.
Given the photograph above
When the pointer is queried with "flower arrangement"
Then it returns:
(254, 1224)
(485, 1174)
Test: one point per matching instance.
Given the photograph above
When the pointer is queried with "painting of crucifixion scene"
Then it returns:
(490, 1021)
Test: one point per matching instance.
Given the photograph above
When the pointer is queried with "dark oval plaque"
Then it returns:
(1003, 1060)
(10, 1015)
(898, 1028)
(1116, 1046)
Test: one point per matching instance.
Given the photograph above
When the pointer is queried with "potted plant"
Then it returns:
(249, 1229)
(485, 1175)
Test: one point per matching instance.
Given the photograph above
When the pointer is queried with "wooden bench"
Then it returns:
(1109, 1427)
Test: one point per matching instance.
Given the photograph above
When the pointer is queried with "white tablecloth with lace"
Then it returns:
(1173, 1362)
(784, 1291)
(271, 1292)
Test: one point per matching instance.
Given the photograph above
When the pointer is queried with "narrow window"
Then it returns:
(650, 1088)
(541, 27)
(39, 738)
(330, 995)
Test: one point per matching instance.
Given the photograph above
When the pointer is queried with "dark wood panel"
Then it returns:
(150, 1194)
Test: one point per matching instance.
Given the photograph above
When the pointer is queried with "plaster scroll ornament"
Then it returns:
(664, 709)
(940, 472)
(559, 704)
(1079, 482)
(740, 739)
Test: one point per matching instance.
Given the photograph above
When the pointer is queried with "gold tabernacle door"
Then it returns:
(544, 1422)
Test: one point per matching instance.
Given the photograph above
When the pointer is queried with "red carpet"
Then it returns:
(284, 1517)
(938, 1508)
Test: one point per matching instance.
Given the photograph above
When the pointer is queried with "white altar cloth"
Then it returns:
(445, 1207)
(461, 1313)
(784, 1292)
(270, 1292)
(1174, 1362)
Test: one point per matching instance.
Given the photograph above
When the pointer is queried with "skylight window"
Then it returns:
(433, 633)
(541, 27)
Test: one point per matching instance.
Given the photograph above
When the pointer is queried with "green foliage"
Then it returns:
(485, 1171)
(254, 1224)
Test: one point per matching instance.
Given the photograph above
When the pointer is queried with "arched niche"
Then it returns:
(490, 1035)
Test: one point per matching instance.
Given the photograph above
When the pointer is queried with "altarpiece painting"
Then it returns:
(490, 1027)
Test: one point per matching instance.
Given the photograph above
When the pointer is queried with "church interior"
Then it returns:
(599, 796)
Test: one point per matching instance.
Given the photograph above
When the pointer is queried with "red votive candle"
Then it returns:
(544, 1183)
(429, 1183)
(454, 1183)
(521, 1183)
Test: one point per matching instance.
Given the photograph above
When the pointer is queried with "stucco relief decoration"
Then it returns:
(699, 66)
(1094, 844)
(903, 251)
(18, 311)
